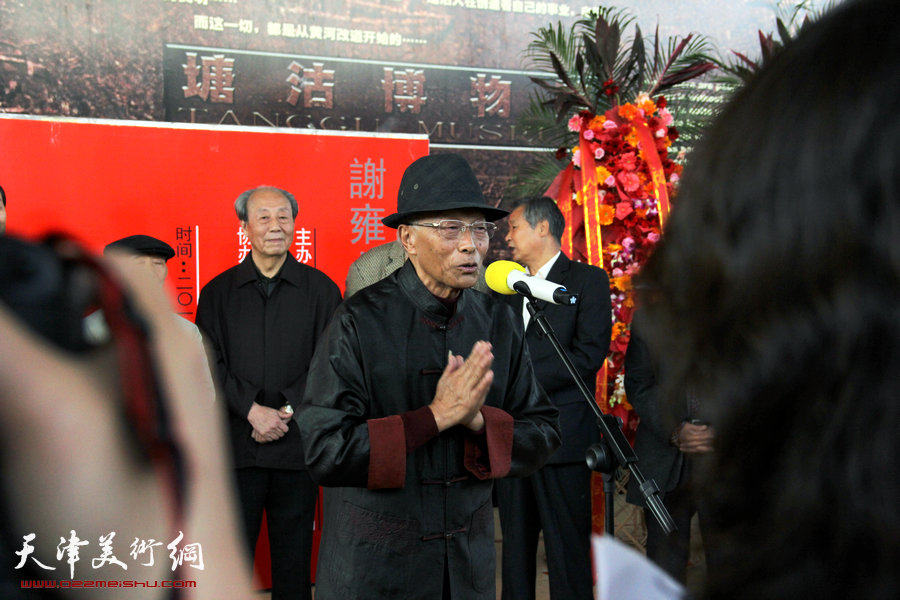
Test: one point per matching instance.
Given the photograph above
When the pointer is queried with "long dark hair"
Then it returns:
(780, 273)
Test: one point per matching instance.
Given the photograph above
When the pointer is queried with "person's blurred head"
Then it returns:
(145, 251)
(776, 295)
(2, 210)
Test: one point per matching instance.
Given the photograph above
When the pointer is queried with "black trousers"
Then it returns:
(557, 500)
(289, 500)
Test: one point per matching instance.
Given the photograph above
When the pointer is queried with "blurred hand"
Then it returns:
(69, 461)
(695, 439)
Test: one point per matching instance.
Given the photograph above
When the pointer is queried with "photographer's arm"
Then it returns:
(68, 458)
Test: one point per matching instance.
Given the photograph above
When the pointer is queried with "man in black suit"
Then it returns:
(557, 498)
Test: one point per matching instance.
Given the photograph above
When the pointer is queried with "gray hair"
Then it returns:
(240, 205)
(542, 208)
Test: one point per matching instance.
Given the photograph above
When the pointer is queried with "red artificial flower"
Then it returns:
(610, 88)
(575, 123)
(623, 209)
(628, 161)
(629, 181)
(628, 111)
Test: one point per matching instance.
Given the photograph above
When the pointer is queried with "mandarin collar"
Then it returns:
(414, 288)
(247, 272)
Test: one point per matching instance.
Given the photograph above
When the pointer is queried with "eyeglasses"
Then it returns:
(451, 229)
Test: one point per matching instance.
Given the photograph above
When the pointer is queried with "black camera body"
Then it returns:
(46, 290)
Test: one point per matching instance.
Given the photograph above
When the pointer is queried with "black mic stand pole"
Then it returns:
(600, 456)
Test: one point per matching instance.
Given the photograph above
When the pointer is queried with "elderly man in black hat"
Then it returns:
(406, 434)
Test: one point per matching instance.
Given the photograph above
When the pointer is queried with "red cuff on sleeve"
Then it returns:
(488, 454)
(387, 453)
(420, 427)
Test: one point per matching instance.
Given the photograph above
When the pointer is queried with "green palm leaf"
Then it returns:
(595, 65)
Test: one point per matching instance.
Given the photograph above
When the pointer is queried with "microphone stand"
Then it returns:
(613, 445)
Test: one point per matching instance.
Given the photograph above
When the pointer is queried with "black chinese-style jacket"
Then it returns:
(394, 521)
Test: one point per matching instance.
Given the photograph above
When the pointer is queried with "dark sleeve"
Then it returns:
(391, 439)
(328, 298)
(488, 453)
(641, 386)
(239, 393)
(333, 418)
(590, 340)
(419, 427)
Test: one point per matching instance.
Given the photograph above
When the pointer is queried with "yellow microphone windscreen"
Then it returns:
(497, 273)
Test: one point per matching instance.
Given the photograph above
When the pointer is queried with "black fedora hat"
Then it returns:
(439, 182)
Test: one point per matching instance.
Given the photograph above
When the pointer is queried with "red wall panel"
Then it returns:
(101, 180)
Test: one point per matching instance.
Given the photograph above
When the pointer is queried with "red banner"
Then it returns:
(103, 180)
(651, 157)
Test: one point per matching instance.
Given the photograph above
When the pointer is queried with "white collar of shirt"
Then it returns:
(541, 274)
(543, 271)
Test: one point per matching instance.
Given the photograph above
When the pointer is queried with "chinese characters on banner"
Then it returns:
(461, 105)
(367, 182)
(211, 79)
(356, 35)
(183, 271)
(304, 245)
(315, 85)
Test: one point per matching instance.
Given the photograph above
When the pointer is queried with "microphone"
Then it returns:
(507, 277)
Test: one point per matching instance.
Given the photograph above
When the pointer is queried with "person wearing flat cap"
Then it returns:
(145, 252)
(424, 394)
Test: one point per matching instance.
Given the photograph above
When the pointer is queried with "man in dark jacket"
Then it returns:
(670, 440)
(408, 433)
(557, 498)
(262, 319)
